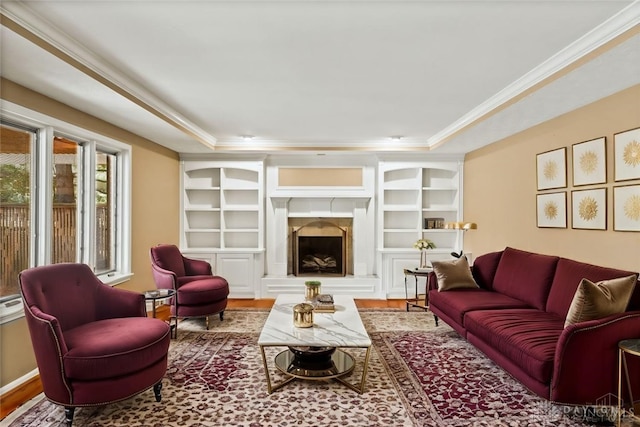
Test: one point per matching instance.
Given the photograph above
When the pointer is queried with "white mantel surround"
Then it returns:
(357, 202)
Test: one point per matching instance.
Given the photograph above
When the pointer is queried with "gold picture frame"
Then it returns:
(589, 209)
(590, 162)
(551, 169)
(626, 155)
(626, 208)
(551, 210)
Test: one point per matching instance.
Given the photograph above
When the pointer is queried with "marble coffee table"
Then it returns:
(318, 352)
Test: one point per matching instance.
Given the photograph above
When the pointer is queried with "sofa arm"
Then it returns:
(49, 347)
(197, 267)
(586, 361)
(165, 279)
(114, 302)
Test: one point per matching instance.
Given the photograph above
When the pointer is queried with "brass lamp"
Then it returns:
(460, 225)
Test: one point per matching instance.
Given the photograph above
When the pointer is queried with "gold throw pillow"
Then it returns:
(454, 274)
(597, 300)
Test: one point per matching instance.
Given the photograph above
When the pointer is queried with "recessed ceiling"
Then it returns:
(336, 75)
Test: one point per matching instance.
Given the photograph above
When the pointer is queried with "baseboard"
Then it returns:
(18, 392)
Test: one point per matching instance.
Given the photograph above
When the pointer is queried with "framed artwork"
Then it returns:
(626, 152)
(551, 169)
(552, 210)
(626, 208)
(589, 209)
(590, 162)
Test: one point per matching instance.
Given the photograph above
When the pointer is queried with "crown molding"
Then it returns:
(616, 26)
(23, 21)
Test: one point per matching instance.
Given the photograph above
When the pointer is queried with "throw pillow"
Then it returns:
(454, 274)
(597, 300)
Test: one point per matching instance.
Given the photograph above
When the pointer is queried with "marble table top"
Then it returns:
(343, 328)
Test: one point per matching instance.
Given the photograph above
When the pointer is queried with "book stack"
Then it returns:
(324, 304)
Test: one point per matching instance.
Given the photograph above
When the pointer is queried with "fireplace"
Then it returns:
(320, 247)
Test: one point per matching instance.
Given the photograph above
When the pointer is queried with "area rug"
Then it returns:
(419, 375)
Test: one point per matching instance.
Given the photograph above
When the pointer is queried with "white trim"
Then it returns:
(41, 28)
(615, 26)
(19, 381)
(15, 311)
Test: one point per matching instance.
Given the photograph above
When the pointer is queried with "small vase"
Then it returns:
(423, 259)
(312, 290)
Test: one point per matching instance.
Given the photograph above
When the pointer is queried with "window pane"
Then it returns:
(65, 198)
(105, 212)
(15, 205)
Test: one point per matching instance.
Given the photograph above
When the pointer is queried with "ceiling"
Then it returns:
(445, 76)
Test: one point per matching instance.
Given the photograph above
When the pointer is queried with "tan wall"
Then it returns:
(500, 188)
(155, 212)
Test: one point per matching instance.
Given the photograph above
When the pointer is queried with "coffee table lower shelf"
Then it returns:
(339, 365)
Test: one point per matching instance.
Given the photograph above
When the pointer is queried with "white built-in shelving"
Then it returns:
(411, 193)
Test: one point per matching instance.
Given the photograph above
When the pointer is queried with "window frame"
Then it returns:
(42, 199)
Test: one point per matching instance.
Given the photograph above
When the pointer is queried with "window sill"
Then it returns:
(11, 310)
(113, 279)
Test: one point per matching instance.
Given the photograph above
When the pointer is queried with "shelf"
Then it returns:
(400, 230)
(202, 189)
(400, 208)
(221, 205)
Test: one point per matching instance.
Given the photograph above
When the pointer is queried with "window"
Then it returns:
(15, 205)
(64, 197)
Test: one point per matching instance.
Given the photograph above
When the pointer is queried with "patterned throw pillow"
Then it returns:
(597, 300)
(454, 274)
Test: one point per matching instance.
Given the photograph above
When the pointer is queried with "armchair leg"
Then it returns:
(156, 391)
(68, 414)
(221, 316)
(436, 319)
(206, 322)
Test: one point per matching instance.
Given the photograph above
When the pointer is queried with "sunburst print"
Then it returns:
(588, 162)
(588, 208)
(632, 208)
(551, 210)
(550, 170)
(631, 154)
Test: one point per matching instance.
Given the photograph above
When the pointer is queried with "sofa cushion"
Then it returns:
(114, 347)
(568, 275)
(203, 291)
(527, 337)
(526, 276)
(484, 269)
(458, 302)
(454, 274)
(597, 300)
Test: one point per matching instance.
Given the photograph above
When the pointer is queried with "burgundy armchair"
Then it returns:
(199, 293)
(93, 343)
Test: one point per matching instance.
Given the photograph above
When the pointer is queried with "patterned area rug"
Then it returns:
(419, 375)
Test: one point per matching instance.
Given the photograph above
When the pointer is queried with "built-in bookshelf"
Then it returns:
(416, 200)
(222, 206)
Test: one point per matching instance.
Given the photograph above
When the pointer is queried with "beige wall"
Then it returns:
(500, 188)
(155, 212)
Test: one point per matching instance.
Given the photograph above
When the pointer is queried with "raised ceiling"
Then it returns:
(448, 76)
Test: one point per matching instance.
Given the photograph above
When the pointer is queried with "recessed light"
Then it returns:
(396, 138)
(247, 137)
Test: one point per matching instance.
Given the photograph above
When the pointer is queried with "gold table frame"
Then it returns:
(271, 387)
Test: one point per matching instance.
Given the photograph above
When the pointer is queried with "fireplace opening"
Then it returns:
(319, 248)
(320, 255)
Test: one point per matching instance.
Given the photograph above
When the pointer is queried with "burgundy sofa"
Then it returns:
(516, 317)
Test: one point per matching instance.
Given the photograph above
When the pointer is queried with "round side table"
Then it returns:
(155, 295)
(626, 348)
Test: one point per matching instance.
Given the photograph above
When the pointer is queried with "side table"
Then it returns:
(417, 299)
(630, 347)
(155, 295)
